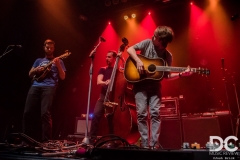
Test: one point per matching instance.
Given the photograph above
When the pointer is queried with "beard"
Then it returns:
(49, 53)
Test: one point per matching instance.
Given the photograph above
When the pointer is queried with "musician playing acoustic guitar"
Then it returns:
(147, 92)
(42, 91)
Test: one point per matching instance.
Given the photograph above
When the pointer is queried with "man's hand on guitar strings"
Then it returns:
(56, 61)
(140, 67)
(38, 69)
(187, 72)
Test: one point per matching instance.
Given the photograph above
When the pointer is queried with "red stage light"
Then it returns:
(149, 13)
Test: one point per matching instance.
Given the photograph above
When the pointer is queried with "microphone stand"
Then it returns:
(91, 55)
(236, 95)
(225, 86)
(5, 52)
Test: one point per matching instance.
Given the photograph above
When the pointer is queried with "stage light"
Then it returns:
(91, 115)
(149, 13)
(109, 22)
(125, 17)
(191, 3)
(107, 3)
(133, 15)
(115, 1)
(166, 1)
(82, 17)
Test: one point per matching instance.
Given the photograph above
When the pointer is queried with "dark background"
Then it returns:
(75, 25)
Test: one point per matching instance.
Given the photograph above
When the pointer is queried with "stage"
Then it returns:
(20, 146)
(125, 154)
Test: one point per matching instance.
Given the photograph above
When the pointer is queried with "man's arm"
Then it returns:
(132, 52)
(100, 80)
(34, 71)
(173, 76)
(61, 72)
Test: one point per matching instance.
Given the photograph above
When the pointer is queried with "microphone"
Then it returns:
(95, 48)
(102, 39)
(19, 46)
(222, 60)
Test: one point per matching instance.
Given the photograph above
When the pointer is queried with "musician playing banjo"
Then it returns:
(147, 92)
(42, 91)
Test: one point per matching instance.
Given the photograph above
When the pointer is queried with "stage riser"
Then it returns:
(188, 154)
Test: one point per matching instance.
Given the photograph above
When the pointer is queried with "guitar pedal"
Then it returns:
(195, 145)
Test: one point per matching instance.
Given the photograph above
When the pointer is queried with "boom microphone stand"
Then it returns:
(6, 52)
(91, 55)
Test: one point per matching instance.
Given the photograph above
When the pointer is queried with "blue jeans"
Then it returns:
(39, 97)
(143, 98)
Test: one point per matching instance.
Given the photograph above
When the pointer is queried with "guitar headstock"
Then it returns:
(203, 71)
(125, 43)
(65, 55)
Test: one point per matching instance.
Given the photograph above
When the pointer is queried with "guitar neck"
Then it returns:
(51, 62)
(174, 69)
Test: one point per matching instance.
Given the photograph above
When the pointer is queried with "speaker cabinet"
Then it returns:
(225, 125)
(80, 125)
(199, 129)
(170, 134)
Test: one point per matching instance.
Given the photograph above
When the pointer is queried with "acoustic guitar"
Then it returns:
(40, 76)
(154, 69)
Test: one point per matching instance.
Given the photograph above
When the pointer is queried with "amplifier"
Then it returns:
(169, 106)
(80, 125)
(171, 133)
(199, 129)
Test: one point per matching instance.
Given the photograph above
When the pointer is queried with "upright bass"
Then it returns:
(124, 115)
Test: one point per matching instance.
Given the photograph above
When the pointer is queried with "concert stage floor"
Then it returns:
(123, 154)
(110, 147)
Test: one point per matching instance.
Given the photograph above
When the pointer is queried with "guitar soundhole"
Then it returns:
(151, 68)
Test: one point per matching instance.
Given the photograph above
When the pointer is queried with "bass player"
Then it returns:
(103, 80)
